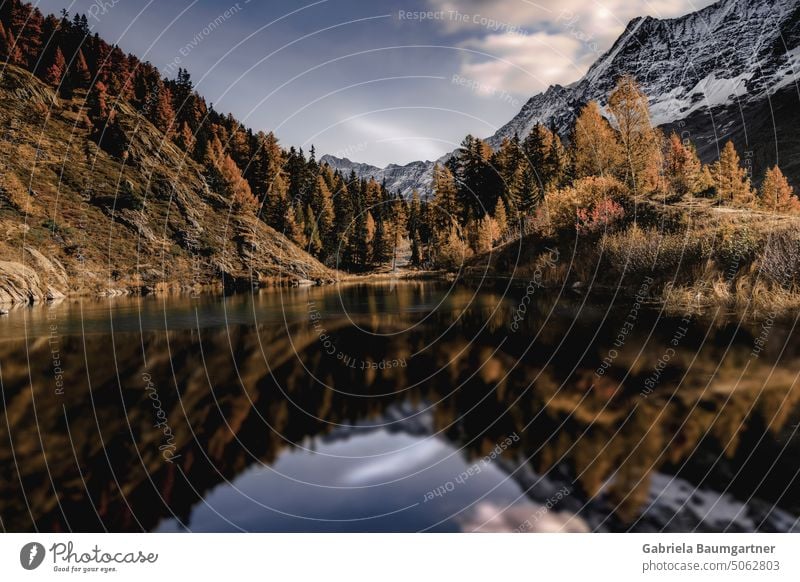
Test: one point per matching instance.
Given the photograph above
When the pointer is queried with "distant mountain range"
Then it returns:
(728, 71)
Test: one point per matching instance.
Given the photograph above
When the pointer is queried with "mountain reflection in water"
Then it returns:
(394, 407)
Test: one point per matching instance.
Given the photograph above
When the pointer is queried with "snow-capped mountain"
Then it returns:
(728, 71)
(398, 178)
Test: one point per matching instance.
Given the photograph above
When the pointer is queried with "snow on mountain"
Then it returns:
(728, 71)
(416, 175)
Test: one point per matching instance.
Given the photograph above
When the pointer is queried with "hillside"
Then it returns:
(76, 220)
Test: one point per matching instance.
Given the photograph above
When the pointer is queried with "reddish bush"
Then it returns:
(602, 216)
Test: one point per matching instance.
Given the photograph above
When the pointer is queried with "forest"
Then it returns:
(587, 183)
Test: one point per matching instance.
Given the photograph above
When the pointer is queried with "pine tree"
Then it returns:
(597, 151)
(777, 194)
(55, 72)
(640, 142)
(730, 179)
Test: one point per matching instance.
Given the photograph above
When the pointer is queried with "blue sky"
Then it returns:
(373, 81)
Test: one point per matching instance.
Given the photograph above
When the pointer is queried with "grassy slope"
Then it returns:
(148, 223)
(698, 254)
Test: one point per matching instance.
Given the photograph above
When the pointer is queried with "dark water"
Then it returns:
(383, 407)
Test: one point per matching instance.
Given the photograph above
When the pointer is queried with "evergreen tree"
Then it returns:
(294, 230)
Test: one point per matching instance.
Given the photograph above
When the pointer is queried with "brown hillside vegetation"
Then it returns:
(76, 219)
(688, 256)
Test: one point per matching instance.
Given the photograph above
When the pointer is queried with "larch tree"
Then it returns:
(730, 179)
(80, 73)
(596, 147)
(445, 197)
(640, 142)
(322, 203)
(501, 219)
(683, 168)
(54, 74)
(776, 193)
(225, 177)
(5, 43)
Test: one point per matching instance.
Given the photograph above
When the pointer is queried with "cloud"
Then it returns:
(558, 42)
(524, 64)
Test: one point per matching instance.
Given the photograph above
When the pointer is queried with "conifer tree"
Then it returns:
(80, 74)
(640, 142)
(731, 180)
(445, 197)
(683, 167)
(55, 72)
(24, 34)
(322, 203)
(163, 115)
(597, 151)
(225, 177)
(776, 193)
(293, 228)
(314, 244)
(5, 43)
(501, 219)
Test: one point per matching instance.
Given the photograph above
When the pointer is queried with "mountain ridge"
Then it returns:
(697, 80)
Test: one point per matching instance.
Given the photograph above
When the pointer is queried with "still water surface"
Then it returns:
(416, 406)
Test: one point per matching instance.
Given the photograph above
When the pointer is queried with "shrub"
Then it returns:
(561, 206)
(603, 216)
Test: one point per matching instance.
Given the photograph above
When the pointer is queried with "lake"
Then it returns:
(396, 407)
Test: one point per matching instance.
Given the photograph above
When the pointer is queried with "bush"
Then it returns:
(561, 207)
(602, 217)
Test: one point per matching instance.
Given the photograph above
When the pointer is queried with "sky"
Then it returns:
(375, 81)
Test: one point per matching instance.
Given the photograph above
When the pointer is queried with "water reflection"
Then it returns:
(383, 408)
